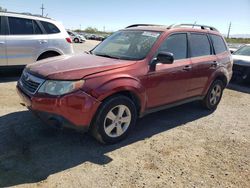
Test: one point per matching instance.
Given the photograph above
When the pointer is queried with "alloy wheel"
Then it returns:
(117, 121)
(215, 95)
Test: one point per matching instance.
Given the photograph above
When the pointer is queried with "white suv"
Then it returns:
(26, 38)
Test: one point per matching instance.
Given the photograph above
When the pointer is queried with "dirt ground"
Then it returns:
(185, 146)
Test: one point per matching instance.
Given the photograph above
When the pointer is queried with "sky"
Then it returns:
(112, 15)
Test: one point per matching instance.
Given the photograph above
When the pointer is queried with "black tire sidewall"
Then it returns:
(101, 115)
(76, 40)
(207, 102)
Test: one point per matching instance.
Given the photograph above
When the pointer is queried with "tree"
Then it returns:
(3, 9)
(91, 30)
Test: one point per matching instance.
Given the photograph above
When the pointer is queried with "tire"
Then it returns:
(76, 40)
(214, 95)
(47, 55)
(108, 126)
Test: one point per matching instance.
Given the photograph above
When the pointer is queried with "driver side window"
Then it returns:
(176, 44)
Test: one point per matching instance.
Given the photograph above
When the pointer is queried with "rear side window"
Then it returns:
(218, 43)
(50, 28)
(1, 32)
(176, 44)
(37, 29)
(20, 26)
(200, 45)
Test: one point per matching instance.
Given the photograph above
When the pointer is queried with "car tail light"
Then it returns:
(69, 40)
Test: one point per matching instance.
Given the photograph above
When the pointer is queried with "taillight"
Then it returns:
(69, 40)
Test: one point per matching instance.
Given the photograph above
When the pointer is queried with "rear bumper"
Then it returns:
(75, 110)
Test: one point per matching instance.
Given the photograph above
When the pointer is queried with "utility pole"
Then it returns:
(194, 24)
(229, 29)
(42, 9)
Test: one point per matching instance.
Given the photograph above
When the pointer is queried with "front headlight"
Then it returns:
(53, 87)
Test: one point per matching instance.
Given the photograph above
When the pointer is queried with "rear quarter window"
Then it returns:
(50, 28)
(200, 45)
(218, 43)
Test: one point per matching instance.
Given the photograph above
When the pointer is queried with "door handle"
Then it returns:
(187, 68)
(2, 42)
(43, 41)
(214, 64)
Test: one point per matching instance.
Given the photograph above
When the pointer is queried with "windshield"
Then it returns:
(245, 50)
(130, 45)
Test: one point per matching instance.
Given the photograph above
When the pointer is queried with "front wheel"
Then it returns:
(214, 95)
(115, 118)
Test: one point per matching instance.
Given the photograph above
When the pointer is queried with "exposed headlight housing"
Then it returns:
(54, 87)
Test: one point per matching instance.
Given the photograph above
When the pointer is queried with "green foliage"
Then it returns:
(238, 40)
(93, 30)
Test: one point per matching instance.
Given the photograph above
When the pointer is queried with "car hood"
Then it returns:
(241, 60)
(73, 67)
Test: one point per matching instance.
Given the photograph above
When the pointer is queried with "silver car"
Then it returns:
(26, 38)
(241, 66)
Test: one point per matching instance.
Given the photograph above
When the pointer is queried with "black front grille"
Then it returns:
(30, 83)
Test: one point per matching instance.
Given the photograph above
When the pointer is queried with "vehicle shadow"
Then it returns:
(241, 87)
(10, 75)
(30, 151)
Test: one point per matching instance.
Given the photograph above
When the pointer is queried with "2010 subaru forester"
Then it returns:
(137, 70)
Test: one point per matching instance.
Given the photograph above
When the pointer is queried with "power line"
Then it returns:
(42, 9)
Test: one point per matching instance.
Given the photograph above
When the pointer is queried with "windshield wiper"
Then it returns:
(107, 55)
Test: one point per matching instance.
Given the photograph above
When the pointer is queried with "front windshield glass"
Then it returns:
(130, 45)
(245, 50)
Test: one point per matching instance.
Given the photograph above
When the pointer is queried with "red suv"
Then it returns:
(135, 71)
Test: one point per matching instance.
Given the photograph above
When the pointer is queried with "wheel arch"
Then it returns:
(123, 85)
(56, 52)
(218, 75)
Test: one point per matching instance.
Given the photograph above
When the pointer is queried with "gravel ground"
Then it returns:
(185, 146)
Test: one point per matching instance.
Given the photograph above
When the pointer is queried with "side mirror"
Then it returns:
(162, 57)
(165, 57)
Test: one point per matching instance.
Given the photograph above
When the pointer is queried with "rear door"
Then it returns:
(221, 51)
(25, 41)
(203, 60)
(56, 37)
(3, 57)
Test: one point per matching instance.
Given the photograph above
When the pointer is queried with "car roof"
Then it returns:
(26, 15)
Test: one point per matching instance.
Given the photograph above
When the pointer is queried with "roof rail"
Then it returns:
(138, 25)
(25, 13)
(176, 26)
(193, 25)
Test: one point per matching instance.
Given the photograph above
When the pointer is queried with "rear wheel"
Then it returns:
(115, 118)
(214, 95)
(76, 40)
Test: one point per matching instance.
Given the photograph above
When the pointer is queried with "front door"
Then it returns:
(169, 82)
